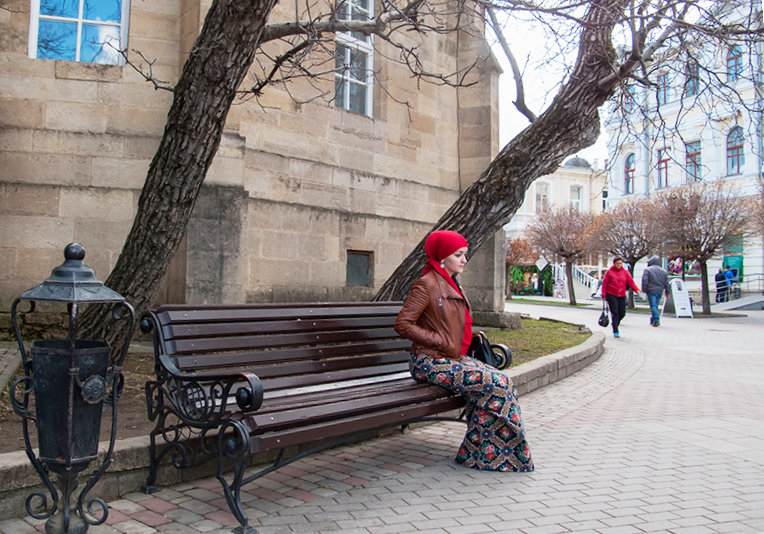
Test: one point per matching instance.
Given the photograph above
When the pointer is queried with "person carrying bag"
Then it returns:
(604, 320)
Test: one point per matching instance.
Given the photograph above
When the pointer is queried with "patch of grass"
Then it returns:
(538, 337)
(547, 302)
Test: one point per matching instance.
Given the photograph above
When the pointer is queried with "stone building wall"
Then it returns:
(293, 188)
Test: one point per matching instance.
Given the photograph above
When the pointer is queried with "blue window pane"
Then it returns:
(56, 40)
(102, 10)
(100, 44)
(60, 8)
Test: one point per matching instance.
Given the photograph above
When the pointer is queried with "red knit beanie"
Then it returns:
(442, 243)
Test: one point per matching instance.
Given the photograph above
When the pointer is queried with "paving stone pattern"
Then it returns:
(664, 433)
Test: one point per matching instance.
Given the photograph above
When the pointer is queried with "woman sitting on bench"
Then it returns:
(436, 318)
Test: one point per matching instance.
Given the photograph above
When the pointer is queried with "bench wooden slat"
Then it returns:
(225, 343)
(347, 404)
(307, 362)
(208, 329)
(340, 427)
(179, 315)
(296, 381)
(253, 359)
(275, 402)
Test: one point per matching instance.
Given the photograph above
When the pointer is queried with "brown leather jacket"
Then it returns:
(433, 318)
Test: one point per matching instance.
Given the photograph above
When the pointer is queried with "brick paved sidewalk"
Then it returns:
(664, 433)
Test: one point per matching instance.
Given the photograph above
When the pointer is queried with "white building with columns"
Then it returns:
(699, 121)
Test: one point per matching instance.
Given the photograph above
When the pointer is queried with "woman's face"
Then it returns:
(454, 264)
(618, 264)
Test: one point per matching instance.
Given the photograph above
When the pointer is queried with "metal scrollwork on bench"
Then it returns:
(188, 405)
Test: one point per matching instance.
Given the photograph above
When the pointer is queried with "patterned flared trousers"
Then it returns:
(495, 438)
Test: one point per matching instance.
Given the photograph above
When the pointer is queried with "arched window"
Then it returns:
(628, 174)
(734, 63)
(735, 151)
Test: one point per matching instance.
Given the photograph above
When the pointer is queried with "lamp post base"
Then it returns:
(55, 525)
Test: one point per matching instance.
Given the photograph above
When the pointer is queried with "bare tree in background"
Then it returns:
(233, 39)
(520, 253)
(563, 233)
(631, 230)
(699, 219)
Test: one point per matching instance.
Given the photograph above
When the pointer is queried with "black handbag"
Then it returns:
(496, 355)
(604, 320)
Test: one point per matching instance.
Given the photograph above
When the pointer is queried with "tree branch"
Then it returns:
(518, 76)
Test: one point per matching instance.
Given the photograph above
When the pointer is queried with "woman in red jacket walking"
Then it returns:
(617, 280)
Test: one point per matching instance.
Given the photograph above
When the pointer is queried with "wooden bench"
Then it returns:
(233, 381)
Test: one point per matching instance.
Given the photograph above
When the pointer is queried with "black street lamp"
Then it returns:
(72, 383)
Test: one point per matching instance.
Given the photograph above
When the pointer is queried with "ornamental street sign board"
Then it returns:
(679, 300)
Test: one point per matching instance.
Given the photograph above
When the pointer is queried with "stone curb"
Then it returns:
(131, 457)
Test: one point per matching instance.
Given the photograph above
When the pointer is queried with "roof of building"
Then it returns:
(577, 162)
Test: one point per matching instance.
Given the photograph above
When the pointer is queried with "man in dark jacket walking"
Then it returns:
(654, 282)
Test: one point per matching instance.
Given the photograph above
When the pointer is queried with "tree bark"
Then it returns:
(570, 124)
(216, 66)
(632, 260)
(704, 290)
(569, 276)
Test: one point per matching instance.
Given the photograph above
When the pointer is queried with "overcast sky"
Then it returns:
(526, 41)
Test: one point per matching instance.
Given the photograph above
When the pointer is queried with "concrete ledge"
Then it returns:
(131, 457)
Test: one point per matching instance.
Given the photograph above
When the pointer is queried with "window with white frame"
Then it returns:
(354, 60)
(575, 197)
(628, 174)
(89, 31)
(542, 197)
(663, 162)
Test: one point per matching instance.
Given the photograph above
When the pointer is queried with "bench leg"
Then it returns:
(151, 480)
(233, 445)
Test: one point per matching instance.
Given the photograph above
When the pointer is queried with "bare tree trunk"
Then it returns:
(704, 291)
(570, 124)
(569, 276)
(216, 66)
(630, 292)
